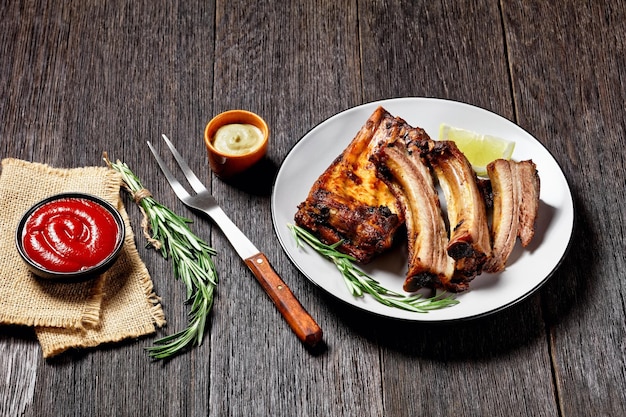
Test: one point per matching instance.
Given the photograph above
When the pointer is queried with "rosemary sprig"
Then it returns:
(360, 283)
(192, 261)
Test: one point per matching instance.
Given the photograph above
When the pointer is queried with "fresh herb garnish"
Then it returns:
(360, 283)
(192, 261)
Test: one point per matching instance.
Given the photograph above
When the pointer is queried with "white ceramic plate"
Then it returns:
(527, 269)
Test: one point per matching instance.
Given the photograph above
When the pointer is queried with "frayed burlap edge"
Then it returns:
(86, 329)
(145, 280)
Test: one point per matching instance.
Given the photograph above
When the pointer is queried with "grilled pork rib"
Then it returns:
(401, 166)
(349, 203)
(469, 241)
(529, 178)
(515, 190)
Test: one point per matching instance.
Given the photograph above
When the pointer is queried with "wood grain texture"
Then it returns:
(570, 90)
(434, 51)
(82, 77)
(272, 58)
(303, 325)
(18, 359)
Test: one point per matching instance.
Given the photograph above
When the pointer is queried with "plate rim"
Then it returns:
(416, 318)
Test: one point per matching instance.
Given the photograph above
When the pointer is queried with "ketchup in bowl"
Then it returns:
(70, 235)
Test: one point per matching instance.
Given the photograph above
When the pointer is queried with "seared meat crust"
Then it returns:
(349, 203)
(469, 241)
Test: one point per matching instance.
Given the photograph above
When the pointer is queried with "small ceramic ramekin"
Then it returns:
(224, 164)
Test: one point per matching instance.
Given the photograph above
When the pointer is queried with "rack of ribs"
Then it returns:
(388, 177)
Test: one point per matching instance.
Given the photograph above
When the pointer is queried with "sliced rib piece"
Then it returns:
(529, 179)
(400, 165)
(349, 203)
(515, 190)
(469, 240)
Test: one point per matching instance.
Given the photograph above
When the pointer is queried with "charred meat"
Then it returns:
(387, 177)
(349, 203)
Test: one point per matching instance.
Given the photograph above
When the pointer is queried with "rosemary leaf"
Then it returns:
(192, 263)
(360, 283)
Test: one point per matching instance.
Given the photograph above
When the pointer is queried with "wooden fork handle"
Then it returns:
(296, 316)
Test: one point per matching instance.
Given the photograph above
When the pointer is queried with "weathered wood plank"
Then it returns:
(88, 77)
(19, 359)
(568, 82)
(83, 77)
(295, 64)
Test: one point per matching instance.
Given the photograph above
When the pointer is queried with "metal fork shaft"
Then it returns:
(238, 240)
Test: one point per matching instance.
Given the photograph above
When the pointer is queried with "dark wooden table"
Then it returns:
(81, 77)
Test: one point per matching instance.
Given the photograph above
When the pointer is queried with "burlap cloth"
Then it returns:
(117, 305)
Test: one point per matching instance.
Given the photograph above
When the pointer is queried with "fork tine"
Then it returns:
(176, 185)
(195, 183)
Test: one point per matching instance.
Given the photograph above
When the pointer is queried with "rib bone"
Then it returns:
(467, 217)
(401, 167)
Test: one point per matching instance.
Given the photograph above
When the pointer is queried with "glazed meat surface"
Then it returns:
(469, 241)
(349, 203)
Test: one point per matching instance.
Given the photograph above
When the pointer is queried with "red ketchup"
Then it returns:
(70, 235)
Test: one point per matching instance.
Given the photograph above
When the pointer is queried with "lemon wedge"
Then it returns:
(479, 149)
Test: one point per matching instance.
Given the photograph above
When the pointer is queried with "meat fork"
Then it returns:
(296, 316)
